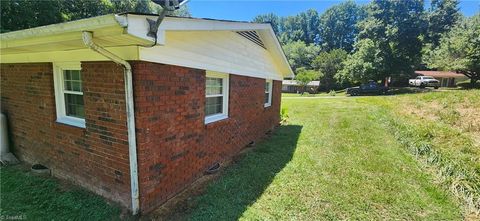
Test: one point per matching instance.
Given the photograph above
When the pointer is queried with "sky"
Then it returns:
(246, 10)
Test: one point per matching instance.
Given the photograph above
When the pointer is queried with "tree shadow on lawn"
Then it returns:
(243, 182)
(409, 90)
(416, 90)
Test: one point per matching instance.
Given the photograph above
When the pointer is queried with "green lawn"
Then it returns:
(340, 158)
(31, 197)
(404, 157)
(321, 94)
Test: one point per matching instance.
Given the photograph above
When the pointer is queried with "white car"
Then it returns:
(424, 81)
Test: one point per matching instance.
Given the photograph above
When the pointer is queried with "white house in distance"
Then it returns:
(292, 86)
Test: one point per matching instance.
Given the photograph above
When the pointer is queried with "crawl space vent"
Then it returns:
(253, 37)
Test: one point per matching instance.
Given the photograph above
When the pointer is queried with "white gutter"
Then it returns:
(132, 143)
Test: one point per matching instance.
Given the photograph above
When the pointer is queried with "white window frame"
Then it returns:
(58, 80)
(225, 94)
(269, 103)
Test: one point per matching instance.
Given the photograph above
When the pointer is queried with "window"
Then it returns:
(268, 93)
(216, 93)
(69, 93)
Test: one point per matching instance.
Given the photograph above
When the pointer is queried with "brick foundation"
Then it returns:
(96, 157)
(174, 145)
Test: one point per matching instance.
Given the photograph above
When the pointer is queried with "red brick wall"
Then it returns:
(95, 157)
(174, 145)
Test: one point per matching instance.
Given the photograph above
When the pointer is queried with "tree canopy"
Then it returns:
(442, 16)
(305, 76)
(328, 65)
(23, 14)
(389, 42)
(459, 50)
(300, 55)
(338, 26)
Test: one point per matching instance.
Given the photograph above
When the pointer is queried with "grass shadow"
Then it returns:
(467, 85)
(409, 90)
(242, 183)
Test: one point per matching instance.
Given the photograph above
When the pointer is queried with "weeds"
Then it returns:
(283, 115)
(460, 178)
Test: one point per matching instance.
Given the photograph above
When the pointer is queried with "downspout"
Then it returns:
(132, 143)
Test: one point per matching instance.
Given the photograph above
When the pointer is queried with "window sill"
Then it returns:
(214, 118)
(72, 121)
(267, 105)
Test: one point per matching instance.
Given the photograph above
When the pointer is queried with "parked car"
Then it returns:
(424, 81)
(371, 87)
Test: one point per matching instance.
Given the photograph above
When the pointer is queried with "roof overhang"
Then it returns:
(128, 29)
(109, 31)
(440, 74)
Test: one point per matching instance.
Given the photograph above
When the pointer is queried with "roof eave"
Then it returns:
(73, 26)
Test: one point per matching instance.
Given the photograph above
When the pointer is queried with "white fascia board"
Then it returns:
(282, 54)
(137, 25)
(61, 28)
(192, 24)
(272, 43)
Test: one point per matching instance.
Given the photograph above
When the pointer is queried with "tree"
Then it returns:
(442, 16)
(78, 9)
(305, 76)
(271, 18)
(300, 54)
(301, 27)
(338, 26)
(22, 14)
(183, 11)
(459, 50)
(310, 22)
(390, 35)
(329, 64)
(365, 64)
(291, 30)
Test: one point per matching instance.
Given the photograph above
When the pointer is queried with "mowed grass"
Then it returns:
(320, 94)
(334, 160)
(406, 157)
(25, 196)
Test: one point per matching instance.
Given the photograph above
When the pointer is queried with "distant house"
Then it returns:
(292, 86)
(446, 78)
(134, 118)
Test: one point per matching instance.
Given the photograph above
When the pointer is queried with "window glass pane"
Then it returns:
(74, 105)
(214, 86)
(214, 105)
(72, 80)
(267, 92)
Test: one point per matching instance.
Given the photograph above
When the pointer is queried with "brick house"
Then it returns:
(134, 118)
(446, 78)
